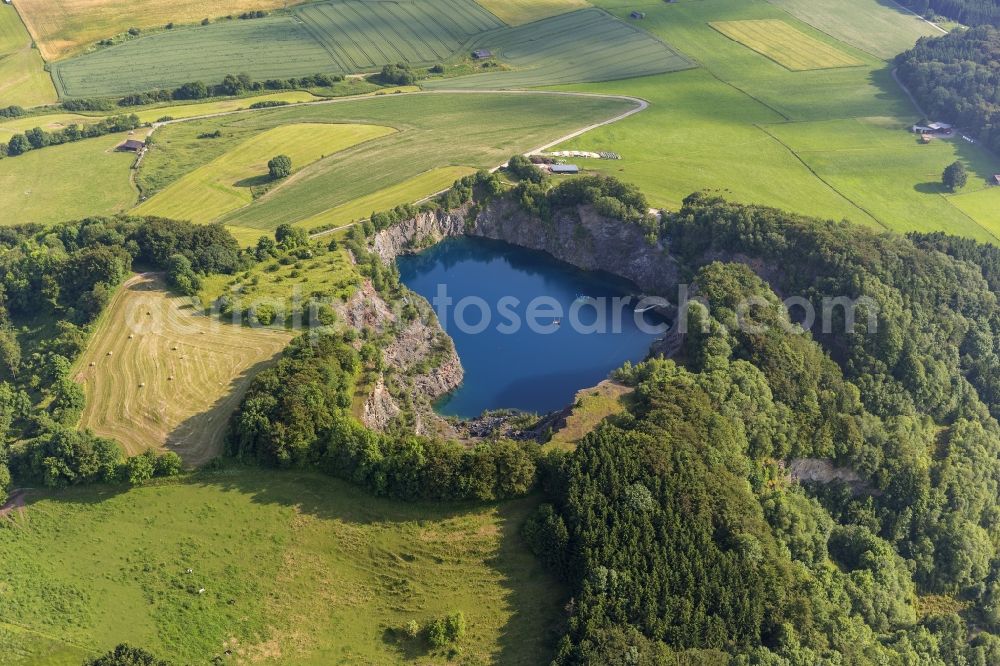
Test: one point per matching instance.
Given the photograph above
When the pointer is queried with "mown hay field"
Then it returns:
(63, 27)
(785, 45)
(23, 79)
(224, 184)
(585, 45)
(881, 28)
(67, 182)
(297, 568)
(516, 12)
(175, 381)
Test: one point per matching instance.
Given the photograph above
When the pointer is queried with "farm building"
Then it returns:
(482, 54)
(932, 128)
(132, 146)
(996, 179)
(564, 169)
(638, 15)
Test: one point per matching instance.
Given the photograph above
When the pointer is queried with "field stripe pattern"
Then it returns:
(785, 45)
(223, 185)
(586, 45)
(175, 382)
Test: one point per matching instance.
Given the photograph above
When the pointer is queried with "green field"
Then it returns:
(883, 29)
(338, 36)
(363, 36)
(349, 36)
(296, 568)
(409, 191)
(23, 81)
(158, 375)
(740, 109)
(586, 45)
(67, 182)
(785, 45)
(224, 184)
(433, 130)
(516, 12)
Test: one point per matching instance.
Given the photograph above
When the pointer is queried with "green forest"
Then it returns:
(955, 77)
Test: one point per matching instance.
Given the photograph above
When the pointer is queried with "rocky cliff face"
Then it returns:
(586, 240)
(577, 236)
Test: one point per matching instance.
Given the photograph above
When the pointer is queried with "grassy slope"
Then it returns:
(223, 185)
(62, 27)
(435, 130)
(517, 12)
(880, 28)
(130, 394)
(586, 45)
(59, 183)
(715, 128)
(408, 191)
(785, 45)
(296, 568)
(23, 81)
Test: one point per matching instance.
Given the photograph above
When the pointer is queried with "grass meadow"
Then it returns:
(296, 568)
(434, 130)
(351, 36)
(785, 45)
(585, 45)
(158, 374)
(831, 143)
(414, 189)
(883, 29)
(224, 184)
(59, 183)
(23, 79)
(517, 12)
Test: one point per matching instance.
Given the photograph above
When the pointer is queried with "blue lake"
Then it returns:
(516, 357)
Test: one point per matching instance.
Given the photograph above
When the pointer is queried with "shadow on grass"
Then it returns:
(931, 188)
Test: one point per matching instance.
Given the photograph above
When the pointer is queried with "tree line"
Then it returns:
(54, 283)
(37, 138)
(956, 78)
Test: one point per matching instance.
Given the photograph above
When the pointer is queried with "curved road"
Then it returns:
(639, 106)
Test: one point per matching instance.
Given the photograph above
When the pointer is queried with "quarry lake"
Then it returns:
(530, 331)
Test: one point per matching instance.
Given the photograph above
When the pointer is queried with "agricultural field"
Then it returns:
(363, 36)
(586, 45)
(739, 108)
(23, 79)
(785, 45)
(433, 130)
(414, 189)
(296, 567)
(67, 182)
(225, 184)
(516, 12)
(159, 374)
(64, 27)
(883, 29)
(350, 36)
(273, 47)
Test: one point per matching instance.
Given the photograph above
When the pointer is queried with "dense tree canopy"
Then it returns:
(956, 78)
